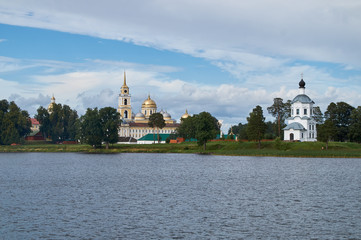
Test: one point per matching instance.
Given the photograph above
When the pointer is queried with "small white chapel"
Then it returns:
(301, 126)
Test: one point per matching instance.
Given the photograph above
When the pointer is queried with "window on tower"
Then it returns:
(125, 101)
(305, 111)
(297, 111)
(125, 114)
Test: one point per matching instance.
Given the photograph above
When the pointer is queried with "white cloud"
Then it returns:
(30, 104)
(258, 42)
(320, 31)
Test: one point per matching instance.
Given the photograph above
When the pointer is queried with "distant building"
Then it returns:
(301, 125)
(35, 134)
(136, 125)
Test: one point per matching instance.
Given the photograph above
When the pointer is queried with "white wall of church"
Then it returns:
(296, 135)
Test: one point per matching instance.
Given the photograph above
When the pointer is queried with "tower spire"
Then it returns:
(125, 79)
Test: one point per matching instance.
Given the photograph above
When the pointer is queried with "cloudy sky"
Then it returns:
(224, 57)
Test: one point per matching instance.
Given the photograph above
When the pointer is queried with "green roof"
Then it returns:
(149, 137)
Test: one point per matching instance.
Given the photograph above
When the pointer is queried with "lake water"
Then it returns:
(177, 196)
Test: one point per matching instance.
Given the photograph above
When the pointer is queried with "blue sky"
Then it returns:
(221, 57)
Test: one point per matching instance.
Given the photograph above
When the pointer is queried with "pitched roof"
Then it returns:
(34, 121)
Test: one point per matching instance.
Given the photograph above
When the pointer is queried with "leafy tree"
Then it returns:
(96, 126)
(156, 120)
(90, 130)
(340, 115)
(110, 120)
(206, 128)
(326, 131)
(187, 128)
(60, 124)
(318, 115)
(70, 118)
(43, 117)
(14, 123)
(280, 111)
(355, 125)
(270, 132)
(242, 135)
(4, 106)
(239, 130)
(202, 126)
(57, 123)
(256, 125)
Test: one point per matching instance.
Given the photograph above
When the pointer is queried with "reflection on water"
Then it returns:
(176, 196)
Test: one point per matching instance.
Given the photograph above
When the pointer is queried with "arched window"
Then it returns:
(125, 101)
(292, 137)
(125, 114)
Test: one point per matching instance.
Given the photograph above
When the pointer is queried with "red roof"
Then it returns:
(34, 121)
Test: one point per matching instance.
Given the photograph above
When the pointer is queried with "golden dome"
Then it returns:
(185, 115)
(149, 103)
(51, 105)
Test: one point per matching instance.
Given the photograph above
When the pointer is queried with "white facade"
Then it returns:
(301, 125)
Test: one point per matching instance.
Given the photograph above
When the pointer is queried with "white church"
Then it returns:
(301, 125)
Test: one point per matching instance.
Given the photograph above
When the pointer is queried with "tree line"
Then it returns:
(340, 122)
(14, 123)
(95, 127)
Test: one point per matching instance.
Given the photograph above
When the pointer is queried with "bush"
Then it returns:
(280, 145)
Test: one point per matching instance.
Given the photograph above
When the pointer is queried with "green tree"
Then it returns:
(70, 118)
(280, 111)
(326, 131)
(239, 130)
(318, 115)
(90, 130)
(60, 124)
(202, 126)
(57, 123)
(206, 128)
(14, 123)
(43, 117)
(256, 125)
(110, 120)
(340, 115)
(355, 125)
(270, 132)
(242, 135)
(187, 129)
(156, 120)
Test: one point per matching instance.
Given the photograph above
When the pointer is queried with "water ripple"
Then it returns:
(175, 196)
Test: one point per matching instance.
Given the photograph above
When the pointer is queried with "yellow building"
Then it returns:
(136, 125)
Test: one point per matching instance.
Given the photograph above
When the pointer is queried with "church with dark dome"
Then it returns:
(135, 125)
(301, 125)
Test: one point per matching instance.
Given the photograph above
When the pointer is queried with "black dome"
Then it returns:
(302, 84)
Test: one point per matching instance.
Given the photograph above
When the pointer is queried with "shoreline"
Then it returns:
(294, 150)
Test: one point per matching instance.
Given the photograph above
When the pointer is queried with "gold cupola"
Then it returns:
(149, 107)
(51, 105)
(185, 115)
(149, 103)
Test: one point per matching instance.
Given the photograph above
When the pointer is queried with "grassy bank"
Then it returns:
(294, 149)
